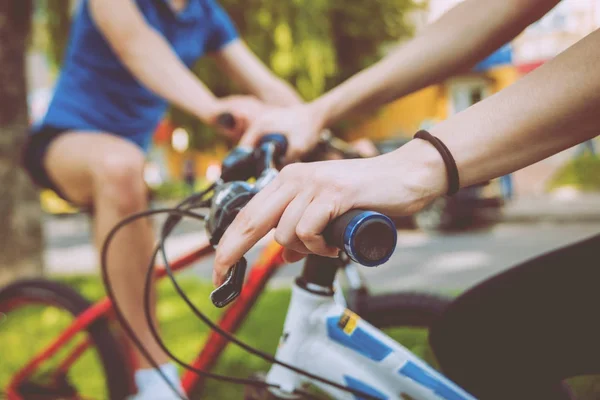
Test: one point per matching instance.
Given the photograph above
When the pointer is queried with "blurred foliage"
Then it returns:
(55, 17)
(313, 44)
(582, 172)
(177, 189)
(171, 190)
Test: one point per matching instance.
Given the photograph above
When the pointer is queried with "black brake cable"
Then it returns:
(265, 356)
(111, 295)
(129, 330)
(166, 231)
(178, 212)
(123, 322)
(154, 330)
(162, 345)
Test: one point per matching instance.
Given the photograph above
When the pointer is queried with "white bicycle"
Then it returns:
(323, 344)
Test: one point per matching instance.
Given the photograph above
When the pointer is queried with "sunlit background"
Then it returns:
(315, 45)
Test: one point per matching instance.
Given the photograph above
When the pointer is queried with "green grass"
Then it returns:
(24, 333)
(177, 189)
(582, 173)
(21, 335)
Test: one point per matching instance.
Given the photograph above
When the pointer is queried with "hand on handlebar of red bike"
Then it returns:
(301, 124)
(304, 198)
(243, 109)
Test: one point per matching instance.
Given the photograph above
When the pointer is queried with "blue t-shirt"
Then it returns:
(96, 92)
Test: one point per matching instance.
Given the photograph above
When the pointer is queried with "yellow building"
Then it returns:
(435, 103)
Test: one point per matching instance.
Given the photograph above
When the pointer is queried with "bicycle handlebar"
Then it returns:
(367, 237)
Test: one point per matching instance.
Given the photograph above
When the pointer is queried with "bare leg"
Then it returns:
(107, 171)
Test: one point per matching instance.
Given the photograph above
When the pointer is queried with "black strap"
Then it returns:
(451, 168)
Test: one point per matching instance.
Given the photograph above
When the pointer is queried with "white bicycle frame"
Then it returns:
(327, 340)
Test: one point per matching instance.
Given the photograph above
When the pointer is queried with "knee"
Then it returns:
(119, 181)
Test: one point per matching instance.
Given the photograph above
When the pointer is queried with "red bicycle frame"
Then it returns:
(260, 273)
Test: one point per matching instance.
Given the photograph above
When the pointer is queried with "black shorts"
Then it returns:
(34, 153)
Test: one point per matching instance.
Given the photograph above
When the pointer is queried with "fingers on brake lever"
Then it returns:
(232, 287)
(229, 201)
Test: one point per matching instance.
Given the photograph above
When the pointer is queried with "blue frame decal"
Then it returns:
(355, 384)
(440, 386)
(359, 340)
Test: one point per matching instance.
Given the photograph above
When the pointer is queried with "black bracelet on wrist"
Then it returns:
(451, 168)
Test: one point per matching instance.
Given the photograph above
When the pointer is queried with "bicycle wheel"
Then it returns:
(403, 309)
(34, 312)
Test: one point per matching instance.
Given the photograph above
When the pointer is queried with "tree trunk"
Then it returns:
(20, 214)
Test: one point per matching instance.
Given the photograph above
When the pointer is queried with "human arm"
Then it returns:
(464, 35)
(150, 58)
(549, 110)
(245, 68)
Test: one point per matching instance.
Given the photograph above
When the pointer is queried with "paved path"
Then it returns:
(439, 262)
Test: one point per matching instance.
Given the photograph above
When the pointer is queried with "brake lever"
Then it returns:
(230, 199)
(232, 287)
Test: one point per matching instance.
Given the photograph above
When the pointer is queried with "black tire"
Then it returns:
(395, 310)
(43, 292)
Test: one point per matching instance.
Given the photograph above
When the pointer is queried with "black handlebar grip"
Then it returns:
(226, 120)
(368, 237)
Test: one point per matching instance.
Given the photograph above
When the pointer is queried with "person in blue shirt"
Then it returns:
(126, 61)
